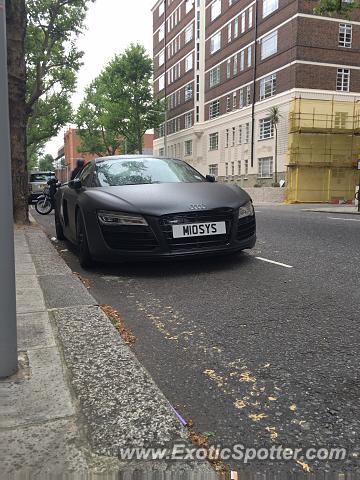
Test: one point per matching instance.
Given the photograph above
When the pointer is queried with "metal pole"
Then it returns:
(8, 339)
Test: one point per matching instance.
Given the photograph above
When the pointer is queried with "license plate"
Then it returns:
(198, 229)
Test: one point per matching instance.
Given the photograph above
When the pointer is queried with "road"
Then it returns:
(254, 352)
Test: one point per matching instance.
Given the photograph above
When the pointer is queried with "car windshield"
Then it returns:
(41, 177)
(137, 171)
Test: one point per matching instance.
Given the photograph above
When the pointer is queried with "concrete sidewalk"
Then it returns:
(337, 209)
(80, 393)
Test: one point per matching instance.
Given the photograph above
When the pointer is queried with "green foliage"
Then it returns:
(52, 62)
(337, 8)
(274, 115)
(46, 163)
(119, 105)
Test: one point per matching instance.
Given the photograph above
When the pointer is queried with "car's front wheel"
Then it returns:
(84, 253)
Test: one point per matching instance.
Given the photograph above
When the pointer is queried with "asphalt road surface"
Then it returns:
(254, 352)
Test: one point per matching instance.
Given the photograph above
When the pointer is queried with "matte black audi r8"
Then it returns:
(142, 207)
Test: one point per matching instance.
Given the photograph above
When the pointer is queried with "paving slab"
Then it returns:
(61, 291)
(34, 331)
(29, 300)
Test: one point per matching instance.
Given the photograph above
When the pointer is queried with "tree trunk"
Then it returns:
(276, 165)
(16, 29)
(140, 143)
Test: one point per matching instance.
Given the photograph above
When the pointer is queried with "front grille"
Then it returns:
(129, 237)
(246, 228)
(197, 243)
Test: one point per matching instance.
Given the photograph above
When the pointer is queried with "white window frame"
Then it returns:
(214, 169)
(214, 76)
(265, 167)
(236, 27)
(345, 35)
(214, 109)
(188, 92)
(188, 146)
(229, 33)
(269, 45)
(243, 22)
(266, 129)
(214, 141)
(189, 5)
(269, 6)
(215, 10)
(161, 33)
(161, 83)
(215, 42)
(250, 18)
(189, 33)
(188, 119)
(249, 56)
(268, 86)
(161, 9)
(161, 58)
(189, 62)
(242, 60)
(228, 68)
(343, 80)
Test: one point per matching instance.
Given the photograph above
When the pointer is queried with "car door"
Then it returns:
(71, 199)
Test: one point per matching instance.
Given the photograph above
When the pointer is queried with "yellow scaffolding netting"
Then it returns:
(323, 148)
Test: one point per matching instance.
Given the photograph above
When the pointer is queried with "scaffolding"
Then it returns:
(323, 149)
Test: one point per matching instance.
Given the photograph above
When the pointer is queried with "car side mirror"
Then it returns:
(75, 184)
(210, 178)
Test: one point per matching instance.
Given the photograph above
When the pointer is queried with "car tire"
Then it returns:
(84, 255)
(58, 227)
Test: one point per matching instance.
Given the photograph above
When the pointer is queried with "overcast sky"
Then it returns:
(111, 26)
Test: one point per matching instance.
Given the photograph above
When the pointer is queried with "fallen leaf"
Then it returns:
(272, 399)
(239, 404)
(256, 417)
(293, 407)
(304, 466)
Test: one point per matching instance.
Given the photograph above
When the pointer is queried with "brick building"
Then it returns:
(69, 153)
(222, 64)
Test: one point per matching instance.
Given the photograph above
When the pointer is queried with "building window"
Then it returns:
(265, 167)
(161, 8)
(235, 67)
(341, 119)
(215, 42)
(161, 58)
(249, 55)
(343, 79)
(188, 119)
(266, 129)
(228, 103)
(242, 59)
(228, 68)
(161, 33)
(269, 45)
(188, 91)
(229, 33)
(268, 86)
(246, 167)
(234, 100)
(161, 82)
(189, 62)
(247, 133)
(232, 169)
(189, 33)
(213, 170)
(241, 98)
(243, 22)
(345, 35)
(215, 9)
(239, 167)
(214, 141)
(233, 137)
(269, 6)
(214, 109)
(188, 147)
(236, 27)
(161, 151)
(188, 5)
(226, 169)
(240, 135)
(214, 78)
(162, 130)
(250, 19)
(227, 138)
(248, 95)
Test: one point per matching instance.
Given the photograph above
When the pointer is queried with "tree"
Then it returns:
(43, 61)
(46, 164)
(119, 105)
(274, 116)
(332, 8)
(16, 28)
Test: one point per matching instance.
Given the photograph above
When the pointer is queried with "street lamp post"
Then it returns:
(8, 339)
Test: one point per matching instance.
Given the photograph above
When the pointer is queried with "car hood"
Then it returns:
(164, 198)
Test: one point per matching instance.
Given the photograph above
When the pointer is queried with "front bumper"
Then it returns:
(154, 242)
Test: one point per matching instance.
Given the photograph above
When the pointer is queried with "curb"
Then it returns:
(337, 212)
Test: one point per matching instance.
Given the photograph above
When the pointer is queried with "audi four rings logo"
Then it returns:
(197, 206)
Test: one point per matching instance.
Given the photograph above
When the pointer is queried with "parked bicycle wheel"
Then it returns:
(43, 206)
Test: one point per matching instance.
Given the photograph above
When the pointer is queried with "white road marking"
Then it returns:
(345, 219)
(275, 263)
(257, 211)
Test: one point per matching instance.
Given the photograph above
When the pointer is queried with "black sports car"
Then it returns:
(141, 207)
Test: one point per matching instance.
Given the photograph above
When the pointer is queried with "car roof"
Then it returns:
(123, 157)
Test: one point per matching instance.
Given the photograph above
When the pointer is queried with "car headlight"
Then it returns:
(246, 210)
(120, 218)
